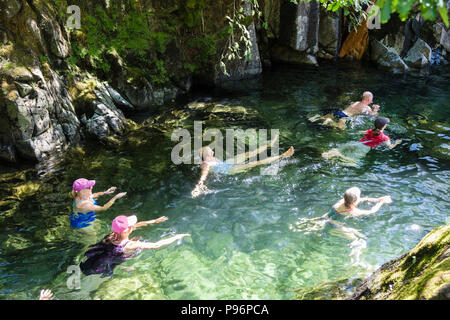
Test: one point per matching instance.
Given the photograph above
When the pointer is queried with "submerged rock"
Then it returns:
(422, 273)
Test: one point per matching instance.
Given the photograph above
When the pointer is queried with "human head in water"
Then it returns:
(367, 97)
(351, 196)
(380, 124)
(122, 226)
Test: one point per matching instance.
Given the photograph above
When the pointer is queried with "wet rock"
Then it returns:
(394, 41)
(117, 98)
(419, 55)
(23, 89)
(288, 55)
(422, 273)
(386, 58)
(140, 97)
(107, 119)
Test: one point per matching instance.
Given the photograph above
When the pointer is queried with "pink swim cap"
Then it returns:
(82, 183)
(121, 223)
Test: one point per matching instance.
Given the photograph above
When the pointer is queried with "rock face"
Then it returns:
(38, 118)
(329, 34)
(422, 273)
(386, 58)
(299, 25)
(288, 55)
(394, 42)
(238, 69)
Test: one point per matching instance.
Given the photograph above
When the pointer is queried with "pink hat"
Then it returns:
(82, 183)
(121, 223)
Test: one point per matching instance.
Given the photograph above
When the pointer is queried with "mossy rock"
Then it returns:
(422, 273)
(336, 290)
(26, 190)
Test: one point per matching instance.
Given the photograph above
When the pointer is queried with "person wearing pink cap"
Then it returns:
(116, 247)
(85, 202)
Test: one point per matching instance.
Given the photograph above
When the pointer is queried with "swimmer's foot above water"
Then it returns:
(288, 153)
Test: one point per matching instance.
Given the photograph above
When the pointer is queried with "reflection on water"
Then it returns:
(254, 236)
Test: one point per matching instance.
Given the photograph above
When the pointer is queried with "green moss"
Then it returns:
(420, 274)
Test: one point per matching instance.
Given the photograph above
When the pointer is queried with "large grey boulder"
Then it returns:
(140, 97)
(386, 58)
(442, 36)
(419, 55)
(329, 33)
(299, 25)
(108, 120)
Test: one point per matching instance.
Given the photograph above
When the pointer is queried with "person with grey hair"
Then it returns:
(348, 205)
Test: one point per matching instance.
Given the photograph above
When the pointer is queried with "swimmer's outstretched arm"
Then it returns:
(200, 185)
(93, 207)
(156, 245)
(375, 208)
(109, 191)
(392, 145)
(149, 222)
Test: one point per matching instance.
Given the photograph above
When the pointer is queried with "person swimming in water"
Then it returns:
(356, 108)
(348, 207)
(116, 247)
(85, 202)
(233, 165)
(373, 138)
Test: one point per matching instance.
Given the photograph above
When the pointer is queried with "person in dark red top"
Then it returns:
(373, 138)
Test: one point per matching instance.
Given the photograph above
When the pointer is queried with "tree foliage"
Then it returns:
(429, 9)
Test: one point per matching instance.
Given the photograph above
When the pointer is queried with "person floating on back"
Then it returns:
(232, 166)
(85, 205)
(339, 118)
(373, 138)
(116, 247)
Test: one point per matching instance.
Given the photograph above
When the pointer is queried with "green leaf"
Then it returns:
(443, 11)
(385, 12)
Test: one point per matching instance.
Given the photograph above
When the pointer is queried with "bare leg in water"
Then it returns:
(240, 158)
(335, 153)
(242, 167)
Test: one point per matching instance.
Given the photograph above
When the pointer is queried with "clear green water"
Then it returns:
(246, 243)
